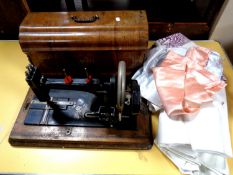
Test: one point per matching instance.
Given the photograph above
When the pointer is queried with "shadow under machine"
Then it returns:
(81, 93)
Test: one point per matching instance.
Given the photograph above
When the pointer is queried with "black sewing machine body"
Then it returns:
(80, 103)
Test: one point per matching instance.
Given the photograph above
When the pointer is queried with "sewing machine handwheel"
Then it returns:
(121, 83)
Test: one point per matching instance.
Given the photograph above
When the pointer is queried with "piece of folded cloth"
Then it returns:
(145, 77)
(199, 145)
(183, 83)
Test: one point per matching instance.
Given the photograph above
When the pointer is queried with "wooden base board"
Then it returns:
(80, 137)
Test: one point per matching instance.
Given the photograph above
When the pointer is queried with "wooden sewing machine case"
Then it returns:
(76, 42)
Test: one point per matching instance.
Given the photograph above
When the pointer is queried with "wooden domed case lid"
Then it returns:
(97, 40)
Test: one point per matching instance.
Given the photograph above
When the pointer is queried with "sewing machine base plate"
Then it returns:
(81, 137)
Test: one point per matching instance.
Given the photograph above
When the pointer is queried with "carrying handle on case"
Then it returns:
(85, 20)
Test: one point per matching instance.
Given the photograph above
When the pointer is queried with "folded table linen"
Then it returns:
(188, 143)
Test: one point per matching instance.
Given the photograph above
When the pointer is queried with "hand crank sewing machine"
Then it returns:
(81, 94)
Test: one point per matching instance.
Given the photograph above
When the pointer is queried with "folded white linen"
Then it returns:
(145, 77)
(199, 145)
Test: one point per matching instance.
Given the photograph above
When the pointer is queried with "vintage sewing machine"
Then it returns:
(81, 94)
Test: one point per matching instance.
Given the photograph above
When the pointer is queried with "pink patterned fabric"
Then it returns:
(174, 40)
(183, 84)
